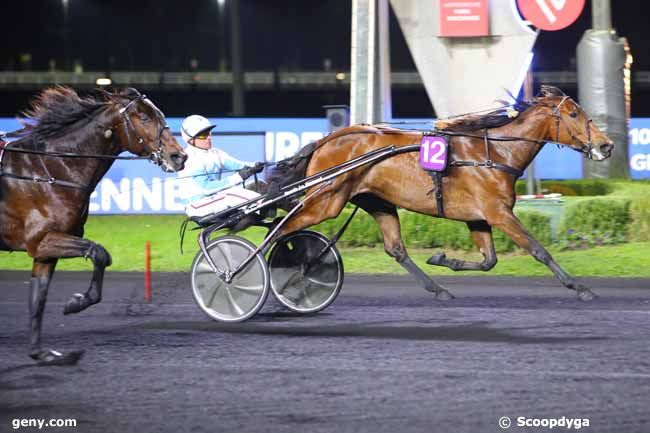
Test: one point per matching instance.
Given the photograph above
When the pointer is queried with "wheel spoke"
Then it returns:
(214, 289)
(227, 253)
(203, 268)
(303, 300)
(321, 282)
(293, 280)
(243, 294)
(233, 305)
(305, 272)
(247, 289)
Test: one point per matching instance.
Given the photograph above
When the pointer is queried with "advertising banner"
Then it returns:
(639, 148)
(463, 18)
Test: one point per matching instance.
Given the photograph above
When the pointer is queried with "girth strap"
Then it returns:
(437, 182)
(488, 161)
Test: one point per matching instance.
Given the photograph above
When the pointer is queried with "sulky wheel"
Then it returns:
(239, 299)
(306, 274)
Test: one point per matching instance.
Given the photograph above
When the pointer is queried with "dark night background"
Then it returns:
(277, 35)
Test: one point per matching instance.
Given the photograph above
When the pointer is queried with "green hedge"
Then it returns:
(423, 231)
(586, 222)
(640, 220)
(596, 221)
(580, 187)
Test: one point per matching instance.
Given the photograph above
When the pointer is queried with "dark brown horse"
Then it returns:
(475, 191)
(46, 178)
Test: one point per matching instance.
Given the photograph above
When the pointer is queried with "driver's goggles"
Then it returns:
(203, 135)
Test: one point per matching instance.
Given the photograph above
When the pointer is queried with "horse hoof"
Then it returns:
(586, 295)
(77, 303)
(437, 259)
(52, 357)
(444, 295)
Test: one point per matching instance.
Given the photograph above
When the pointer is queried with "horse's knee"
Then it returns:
(540, 254)
(396, 251)
(98, 254)
(488, 263)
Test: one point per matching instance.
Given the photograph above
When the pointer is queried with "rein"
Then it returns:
(72, 155)
(586, 148)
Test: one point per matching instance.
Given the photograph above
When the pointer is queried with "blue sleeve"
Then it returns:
(230, 163)
(212, 178)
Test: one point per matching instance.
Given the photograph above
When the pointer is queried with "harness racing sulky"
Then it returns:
(464, 169)
(48, 173)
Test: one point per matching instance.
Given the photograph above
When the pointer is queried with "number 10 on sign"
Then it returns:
(433, 153)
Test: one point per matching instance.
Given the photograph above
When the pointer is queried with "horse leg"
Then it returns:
(510, 225)
(482, 236)
(61, 245)
(386, 216)
(42, 271)
(40, 282)
(324, 206)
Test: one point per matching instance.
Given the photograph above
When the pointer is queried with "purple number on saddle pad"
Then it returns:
(433, 153)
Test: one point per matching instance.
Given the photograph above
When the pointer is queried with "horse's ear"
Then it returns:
(111, 96)
(105, 93)
(130, 93)
(547, 91)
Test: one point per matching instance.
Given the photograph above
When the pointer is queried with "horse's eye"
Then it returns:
(573, 114)
(145, 117)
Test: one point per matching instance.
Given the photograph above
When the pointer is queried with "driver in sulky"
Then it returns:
(212, 180)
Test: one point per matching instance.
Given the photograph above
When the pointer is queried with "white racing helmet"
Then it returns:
(194, 125)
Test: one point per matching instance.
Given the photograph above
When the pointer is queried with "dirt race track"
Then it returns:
(385, 357)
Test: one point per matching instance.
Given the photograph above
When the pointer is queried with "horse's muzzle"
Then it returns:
(178, 158)
(600, 152)
(606, 149)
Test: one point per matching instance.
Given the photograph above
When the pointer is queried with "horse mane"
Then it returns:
(293, 169)
(493, 119)
(55, 110)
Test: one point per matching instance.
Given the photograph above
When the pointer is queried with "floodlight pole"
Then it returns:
(603, 91)
(531, 180)
(66, 47)
(222, 35)
(370, 99)
(238, 106)
(601, 14)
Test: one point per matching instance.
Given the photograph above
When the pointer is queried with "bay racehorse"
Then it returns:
(487, 153)
(47, 175)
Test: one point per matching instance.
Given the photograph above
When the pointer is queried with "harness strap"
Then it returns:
(50, 180)
(488, 164)
(436, 176)
(487, 144)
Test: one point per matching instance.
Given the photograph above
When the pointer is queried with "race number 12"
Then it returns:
(433, 153)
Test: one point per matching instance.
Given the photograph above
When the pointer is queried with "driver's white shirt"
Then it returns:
(210, 182)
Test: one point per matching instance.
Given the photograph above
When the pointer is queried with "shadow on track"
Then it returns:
(473, 332)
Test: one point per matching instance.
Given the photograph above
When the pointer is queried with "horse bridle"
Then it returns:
(586, 147)
(156, 155)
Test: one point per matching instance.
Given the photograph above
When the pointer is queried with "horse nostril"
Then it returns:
(606, 148)
(178, 158)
